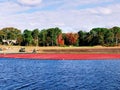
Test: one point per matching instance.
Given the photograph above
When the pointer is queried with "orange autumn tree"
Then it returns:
(71, 38)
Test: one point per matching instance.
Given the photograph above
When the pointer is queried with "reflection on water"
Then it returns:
(20, 74)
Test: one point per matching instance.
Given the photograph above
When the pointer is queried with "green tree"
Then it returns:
(35, 34)
(19, 39)
(43, 37)
(116, 31)
(10, 33)
(53, 34)
(109, 37)
(2, 35)
(28, 39)
(82, 38)
(96, 36)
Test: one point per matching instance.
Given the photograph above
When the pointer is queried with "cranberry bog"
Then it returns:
(62, 56)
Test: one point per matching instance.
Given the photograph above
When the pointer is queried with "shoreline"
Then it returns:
(61, 53)
(62, 56)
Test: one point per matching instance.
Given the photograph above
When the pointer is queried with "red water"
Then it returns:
(62, 56)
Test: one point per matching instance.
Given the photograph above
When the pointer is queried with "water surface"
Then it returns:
(23, 74)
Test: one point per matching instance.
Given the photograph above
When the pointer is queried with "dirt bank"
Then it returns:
(62, 53)
(62, 50)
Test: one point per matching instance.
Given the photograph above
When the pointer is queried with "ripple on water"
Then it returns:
(20, 74)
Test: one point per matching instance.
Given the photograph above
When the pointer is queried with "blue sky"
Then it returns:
(69, 15)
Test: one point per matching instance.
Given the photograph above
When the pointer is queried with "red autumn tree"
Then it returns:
(60, 40)
(71, 38)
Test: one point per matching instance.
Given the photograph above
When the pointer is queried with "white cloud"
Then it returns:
(70, 20)
(101, 11)
(30, 2)
(8, 8)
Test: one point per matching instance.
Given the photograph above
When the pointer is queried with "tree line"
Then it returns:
(55, 37)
